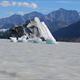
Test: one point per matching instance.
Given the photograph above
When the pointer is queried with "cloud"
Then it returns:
(5, 3)
(34, 5)
(19, 4)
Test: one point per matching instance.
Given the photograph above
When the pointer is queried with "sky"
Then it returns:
(10, 7)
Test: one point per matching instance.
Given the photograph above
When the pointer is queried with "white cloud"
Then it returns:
(5, 3)
(34, 5)
(19, 4)
(13, 3)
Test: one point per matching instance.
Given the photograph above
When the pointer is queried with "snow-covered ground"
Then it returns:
(31, 61)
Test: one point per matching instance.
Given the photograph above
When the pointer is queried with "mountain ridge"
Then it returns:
(55, 20)
(63, 24)
(70, 33)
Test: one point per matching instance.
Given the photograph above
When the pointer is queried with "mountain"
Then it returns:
(64, 24)
(54, 20)
(14, 19)
(70, 33)
(31, 15)
(7, 26)
(62, 18)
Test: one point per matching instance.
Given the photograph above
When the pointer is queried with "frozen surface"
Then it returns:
(30, 61)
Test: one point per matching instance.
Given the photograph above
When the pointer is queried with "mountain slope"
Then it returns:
(62, 18)
(54, 20)
(31, 15)
(14, 19)
(70, 33)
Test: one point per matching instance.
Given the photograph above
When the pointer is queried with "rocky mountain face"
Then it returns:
(62, 18)
(55, 20)
(70, 33)
(14, 20)
(62, 23)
